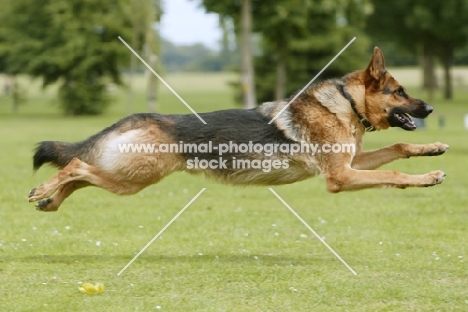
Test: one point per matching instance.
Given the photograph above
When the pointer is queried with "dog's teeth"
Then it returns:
(400, 117)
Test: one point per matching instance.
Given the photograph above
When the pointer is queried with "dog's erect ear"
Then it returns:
(376, 68)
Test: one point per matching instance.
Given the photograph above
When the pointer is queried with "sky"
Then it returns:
(185, 22)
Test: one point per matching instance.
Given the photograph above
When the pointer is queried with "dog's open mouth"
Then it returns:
(405, 120)
(400, 116)
(402, 120)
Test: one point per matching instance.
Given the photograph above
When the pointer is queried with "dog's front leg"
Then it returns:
(376, 158)
(349, 179)
(340, 176)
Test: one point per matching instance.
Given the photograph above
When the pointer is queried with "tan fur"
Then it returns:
(320, 115)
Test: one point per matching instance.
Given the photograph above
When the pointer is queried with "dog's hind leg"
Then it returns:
(78, 170)
(373, 159)
(53, 204)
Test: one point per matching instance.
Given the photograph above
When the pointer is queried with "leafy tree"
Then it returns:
(144, 16)
(300, 37)
(228, 54)
(194, 57)
(72, 42)
(437, 28)
(461, 56)
(246, 55)
(240, 11)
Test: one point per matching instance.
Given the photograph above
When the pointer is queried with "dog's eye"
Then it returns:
(401, 92)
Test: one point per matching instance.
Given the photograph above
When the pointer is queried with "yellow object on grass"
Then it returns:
(88, 288)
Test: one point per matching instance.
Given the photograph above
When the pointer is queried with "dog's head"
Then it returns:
(386, 102)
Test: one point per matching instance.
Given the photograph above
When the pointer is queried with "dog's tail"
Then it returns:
(59, 154)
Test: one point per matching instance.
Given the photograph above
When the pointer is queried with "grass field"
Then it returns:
(234, 249)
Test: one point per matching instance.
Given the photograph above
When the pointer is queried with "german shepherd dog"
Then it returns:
(333, 111)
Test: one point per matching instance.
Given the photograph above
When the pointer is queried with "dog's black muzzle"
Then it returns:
(400, 116)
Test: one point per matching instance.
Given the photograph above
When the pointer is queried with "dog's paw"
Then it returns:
(434, 149)
(43, 203)
(434, 178)
(31, 193)
(36, 194)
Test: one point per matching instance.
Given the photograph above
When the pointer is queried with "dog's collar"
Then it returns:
(367, 125)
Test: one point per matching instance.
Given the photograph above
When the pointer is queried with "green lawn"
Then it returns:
(234, 249)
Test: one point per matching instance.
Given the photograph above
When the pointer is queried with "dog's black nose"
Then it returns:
(429, 109)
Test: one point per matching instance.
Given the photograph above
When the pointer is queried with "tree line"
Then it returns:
(276, 46)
